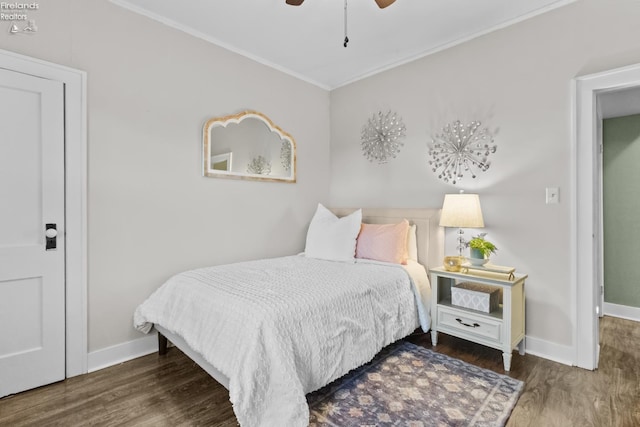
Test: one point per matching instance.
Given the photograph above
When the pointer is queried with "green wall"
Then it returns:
(621, 211)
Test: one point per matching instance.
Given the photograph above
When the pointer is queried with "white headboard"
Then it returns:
(430, 234)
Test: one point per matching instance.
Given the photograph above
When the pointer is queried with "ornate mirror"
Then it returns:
(248, 146)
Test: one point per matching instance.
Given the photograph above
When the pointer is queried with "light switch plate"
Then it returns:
(552, 195)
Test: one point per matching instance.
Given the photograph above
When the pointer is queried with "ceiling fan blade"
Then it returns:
(381, 3)
(296, 2)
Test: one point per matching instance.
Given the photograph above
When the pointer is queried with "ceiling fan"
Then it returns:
(381, 3)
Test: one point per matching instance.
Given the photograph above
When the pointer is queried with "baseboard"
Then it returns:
(549, 350)
(124, 352)
(621, 311)
(148, 344)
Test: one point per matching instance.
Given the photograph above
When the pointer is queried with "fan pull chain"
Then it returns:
(346, 39)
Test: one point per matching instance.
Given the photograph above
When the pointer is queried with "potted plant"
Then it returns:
(480, 249)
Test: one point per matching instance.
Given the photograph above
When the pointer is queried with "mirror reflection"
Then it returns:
(248, 146)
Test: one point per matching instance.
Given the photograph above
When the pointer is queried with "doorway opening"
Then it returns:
(586, 210)
(620, 139)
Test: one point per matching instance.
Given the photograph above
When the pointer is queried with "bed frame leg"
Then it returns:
(162, 344)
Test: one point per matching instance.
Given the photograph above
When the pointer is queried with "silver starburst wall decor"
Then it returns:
(461, 149)
(259, 166)
(382, 137)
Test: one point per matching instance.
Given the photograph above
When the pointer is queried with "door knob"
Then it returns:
(51, 233)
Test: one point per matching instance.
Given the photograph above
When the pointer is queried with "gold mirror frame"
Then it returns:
(219, 165)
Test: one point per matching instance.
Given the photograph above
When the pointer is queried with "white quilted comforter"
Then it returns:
(280, 328)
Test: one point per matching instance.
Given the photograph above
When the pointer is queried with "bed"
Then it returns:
(288, 326)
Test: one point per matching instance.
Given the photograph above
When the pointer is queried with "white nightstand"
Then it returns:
(502, 329)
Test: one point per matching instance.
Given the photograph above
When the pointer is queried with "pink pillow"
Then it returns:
(383, 242)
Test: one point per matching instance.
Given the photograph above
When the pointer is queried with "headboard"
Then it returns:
(430, 234)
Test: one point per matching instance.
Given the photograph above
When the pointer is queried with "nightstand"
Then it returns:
(502, 329)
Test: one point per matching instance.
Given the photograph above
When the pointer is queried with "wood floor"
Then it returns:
(171, 390)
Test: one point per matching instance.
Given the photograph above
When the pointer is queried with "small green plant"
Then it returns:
(483, 246)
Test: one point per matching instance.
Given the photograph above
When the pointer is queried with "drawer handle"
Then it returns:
(475, 325)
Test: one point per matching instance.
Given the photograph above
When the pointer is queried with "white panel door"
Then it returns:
(32, 278)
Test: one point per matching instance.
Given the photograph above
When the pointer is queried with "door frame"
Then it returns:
(75, 89)
(586, 237)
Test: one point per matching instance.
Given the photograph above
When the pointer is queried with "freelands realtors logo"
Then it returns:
(19, 12)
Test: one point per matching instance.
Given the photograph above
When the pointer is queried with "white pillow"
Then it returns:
(333, 238)
(412, 244)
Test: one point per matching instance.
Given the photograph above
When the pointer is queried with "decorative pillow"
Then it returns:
(383, 242)
(412, 244)
(333, 238)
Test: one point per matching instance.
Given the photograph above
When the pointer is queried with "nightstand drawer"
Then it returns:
(470, 324)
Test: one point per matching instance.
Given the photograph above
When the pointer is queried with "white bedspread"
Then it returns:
(283, 327)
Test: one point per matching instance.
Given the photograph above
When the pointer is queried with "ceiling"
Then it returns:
(307, 41)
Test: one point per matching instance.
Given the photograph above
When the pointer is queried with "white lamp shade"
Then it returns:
(461, 210)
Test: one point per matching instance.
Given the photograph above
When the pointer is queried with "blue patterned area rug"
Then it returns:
(409, 385)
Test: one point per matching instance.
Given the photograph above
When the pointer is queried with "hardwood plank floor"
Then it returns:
(171, 390)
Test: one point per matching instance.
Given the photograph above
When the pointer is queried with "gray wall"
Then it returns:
(150, 89)
(621, 210)
(516, 80)
(150, 212)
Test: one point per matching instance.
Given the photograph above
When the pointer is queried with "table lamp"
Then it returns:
(461, 211)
